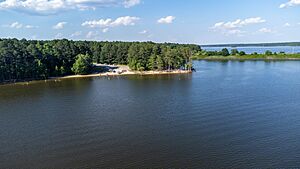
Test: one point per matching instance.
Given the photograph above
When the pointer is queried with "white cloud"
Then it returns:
(16, 25)
(234, 27)
(75, 34)
(166, 20)
(59, 25)
(106, 23)
(131, 3)
(143, 32)
(287, 25)
(238, 23)
(105, 30)
(92, 35)
(236, 32)
(30, 26)
(290, 3)
(265, 30)
(55, 6)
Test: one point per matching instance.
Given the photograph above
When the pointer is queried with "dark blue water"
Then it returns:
(260, 50)
(226, 115)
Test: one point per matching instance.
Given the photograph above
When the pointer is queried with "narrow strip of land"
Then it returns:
(234, 54)
(122, 70)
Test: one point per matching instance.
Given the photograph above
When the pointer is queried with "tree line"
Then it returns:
(224, 52)
(255, 44)
(32, 59)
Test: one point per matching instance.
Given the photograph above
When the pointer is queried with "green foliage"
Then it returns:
(158, 56)
(82, 65)
(281, 52)
(152, 65)
(243, 56)
(242, 53)
(268, 53)
(225, 52)
(234, 52)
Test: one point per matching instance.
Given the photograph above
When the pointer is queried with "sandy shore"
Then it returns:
(123, 70)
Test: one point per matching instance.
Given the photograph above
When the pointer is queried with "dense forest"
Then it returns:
(31, 59)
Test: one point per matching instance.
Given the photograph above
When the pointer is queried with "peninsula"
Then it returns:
(26, 60)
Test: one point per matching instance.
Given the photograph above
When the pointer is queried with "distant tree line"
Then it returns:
(31, 59)
(255, 44)
(234, 52)
(224, 52)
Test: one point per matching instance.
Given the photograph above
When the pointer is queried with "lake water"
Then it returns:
(252, 49)
(226, 115)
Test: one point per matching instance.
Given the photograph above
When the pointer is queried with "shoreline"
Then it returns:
(107, 74)
(248, 59)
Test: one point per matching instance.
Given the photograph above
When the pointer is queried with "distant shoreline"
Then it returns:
(247, 59)
(275, 44)
(107, 74)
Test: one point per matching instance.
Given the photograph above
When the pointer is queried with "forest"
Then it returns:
(32, 59)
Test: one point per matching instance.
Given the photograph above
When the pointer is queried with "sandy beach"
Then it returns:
(122, 70)
(126, 72)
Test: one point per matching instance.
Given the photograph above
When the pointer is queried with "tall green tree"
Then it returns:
(82, 65)
(225, 52)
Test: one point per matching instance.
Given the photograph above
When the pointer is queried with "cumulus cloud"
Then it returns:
(92, 35)
(131, 3)
(17, 25)
(30, 26)
(290, 3)
(238, 23)
(234, 27)
(265, 30)
(235, 32)
(143, 32)
(105, 30)
(287, 25)
(55, 6)
(59, 25)
(75, 34)
(166, 20)
(106, 23)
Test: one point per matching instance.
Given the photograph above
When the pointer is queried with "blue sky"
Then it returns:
(182, 21)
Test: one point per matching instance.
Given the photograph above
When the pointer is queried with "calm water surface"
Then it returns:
(226, 115)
